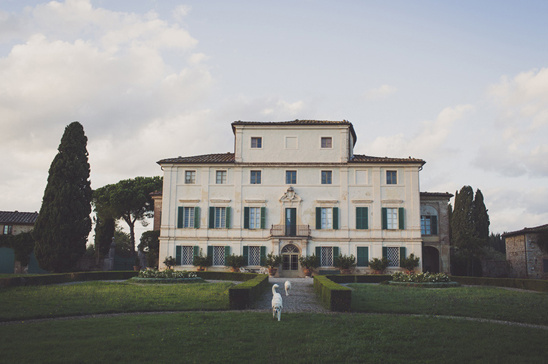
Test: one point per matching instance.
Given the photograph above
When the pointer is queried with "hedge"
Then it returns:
(44, 279)
(528, 284)
(244, 294)
(359, 278)
(332, 295)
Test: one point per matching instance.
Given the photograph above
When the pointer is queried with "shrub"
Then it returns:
(169, 262)
(379, 265)
(168, 273)
(410, 263)
(272, 260)
(235, 261)
(345, 262)
(202, 261)
(310, 262)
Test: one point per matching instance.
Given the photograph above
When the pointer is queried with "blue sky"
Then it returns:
(462, 85)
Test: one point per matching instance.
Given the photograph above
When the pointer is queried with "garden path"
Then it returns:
(301, 296)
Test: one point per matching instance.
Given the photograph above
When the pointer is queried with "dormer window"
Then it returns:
(327, 142)
(256, 142)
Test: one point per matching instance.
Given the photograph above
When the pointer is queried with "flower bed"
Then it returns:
(166, 276)
(425, 280)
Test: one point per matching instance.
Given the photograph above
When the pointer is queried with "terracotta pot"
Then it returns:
(234, 270)
(136, 268)
(200, 269)
(272, 271)
(307, 272)
(346, 271)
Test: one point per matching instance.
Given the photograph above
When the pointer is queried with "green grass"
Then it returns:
(253, 337)
(20, 303)
(476, 301)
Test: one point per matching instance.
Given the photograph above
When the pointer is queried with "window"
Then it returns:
(219, 253)
(188, 217)
(391, 178)
(190, 177)
(254, 217)
(327, 142)
(327, 218)
(255, 178)
(327, 255)
(256, 142)
(220, 177)
(254, 255)
(185, 255)
(393, 218)
(393, 256)
(290, 177)
(326, 177)
(8, 229)
(362, 253)
(362, 218)
(219, 217)
(429, 225)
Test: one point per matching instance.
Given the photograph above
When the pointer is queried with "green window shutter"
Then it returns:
(384, 218)
(228, 217)
(210, 252)
(335, 253)
(384, 252)
(318, 218)
(362, 218)
(246, 217)
(263, 217)
(178, 254)
(401, 217)
(227, 252)
(402, 253)
(180, 212)
(263, 255)
(212, 217)
(196, 250)
(434, 225)
(335, 218)
(363, 256)
(318, 251)
(246, 255)
(196, 218)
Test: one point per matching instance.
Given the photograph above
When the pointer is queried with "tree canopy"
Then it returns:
(128, 200)
(63, 224)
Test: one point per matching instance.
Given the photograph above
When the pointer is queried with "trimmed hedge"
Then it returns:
(424, 284)
(360, 278)
(166, 280)
(528, 284)
(44, 279)
(332, 295)
(244, 294)
(228, 276)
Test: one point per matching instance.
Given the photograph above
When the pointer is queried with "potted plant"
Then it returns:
(169, 262)
(410, 263)
(345, 263)
(378, 265)
(272, 262)
(309, 263)
(201, 261)
(235, 262)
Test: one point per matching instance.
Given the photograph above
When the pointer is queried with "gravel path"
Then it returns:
(301, 296)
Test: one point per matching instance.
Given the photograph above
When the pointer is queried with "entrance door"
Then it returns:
(291, 221)
(290, 261)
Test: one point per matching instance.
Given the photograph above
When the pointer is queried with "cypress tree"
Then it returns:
(64, 223)
(481, 218)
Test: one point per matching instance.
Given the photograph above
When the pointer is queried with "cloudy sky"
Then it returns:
(460, 84)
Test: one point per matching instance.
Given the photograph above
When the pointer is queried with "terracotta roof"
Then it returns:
(229, 158)
(436, 194)
(298, 122)
(359, 158)
(16, 217)
(524, 231)
(199, 159)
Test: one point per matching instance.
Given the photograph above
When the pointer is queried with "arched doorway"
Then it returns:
(431, 259)
(290, 261)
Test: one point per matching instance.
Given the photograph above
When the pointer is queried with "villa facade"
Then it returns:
(295, 189)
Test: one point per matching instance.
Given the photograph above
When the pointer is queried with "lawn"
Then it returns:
(23, 303)
(254, 337)
(471, 301)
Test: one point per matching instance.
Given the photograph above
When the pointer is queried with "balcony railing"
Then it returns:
(290, 230)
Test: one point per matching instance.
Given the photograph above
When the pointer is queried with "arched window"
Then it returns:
(429, 220)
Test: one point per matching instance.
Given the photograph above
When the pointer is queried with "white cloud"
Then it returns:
(380, 92)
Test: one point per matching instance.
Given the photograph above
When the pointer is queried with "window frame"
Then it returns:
(256, 143)
(391, 177)
(326, 177)
(255, 177)
(328, 142)
(190, 177)
(223, 174)
(291, 177)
